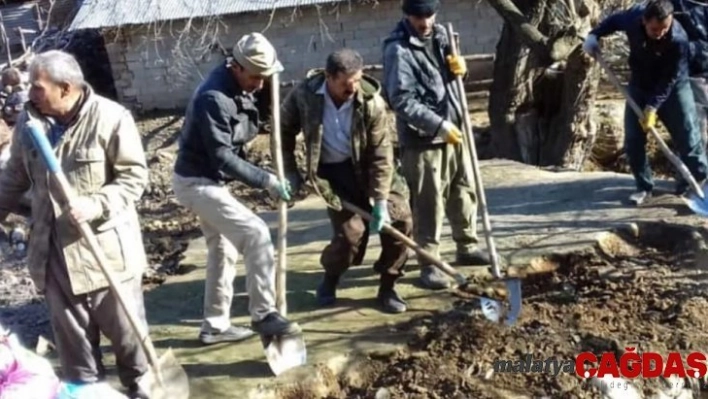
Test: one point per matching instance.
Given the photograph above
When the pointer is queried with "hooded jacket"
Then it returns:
(419, 86)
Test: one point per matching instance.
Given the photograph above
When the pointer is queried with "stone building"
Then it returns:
(159, 50)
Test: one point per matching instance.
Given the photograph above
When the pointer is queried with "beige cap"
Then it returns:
(255, 53)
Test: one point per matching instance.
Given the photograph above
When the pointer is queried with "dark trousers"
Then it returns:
(79, 320)
(699, 86)
(351, 232)
(678, 114)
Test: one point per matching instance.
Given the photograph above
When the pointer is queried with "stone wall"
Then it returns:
(151, 71)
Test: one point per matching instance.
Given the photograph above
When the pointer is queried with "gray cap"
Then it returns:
(255, 53)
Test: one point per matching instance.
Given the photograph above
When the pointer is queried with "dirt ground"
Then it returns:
(647, 297)
(631, 292)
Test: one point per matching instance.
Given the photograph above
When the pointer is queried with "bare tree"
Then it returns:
(543, 92)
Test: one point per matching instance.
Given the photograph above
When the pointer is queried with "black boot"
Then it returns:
(475, 257)
(135, 392)
(387, 296)
(327, 290)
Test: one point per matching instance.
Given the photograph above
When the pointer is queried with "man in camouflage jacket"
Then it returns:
(350, 158)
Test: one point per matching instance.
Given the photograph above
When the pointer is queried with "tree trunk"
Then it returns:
(544, 86)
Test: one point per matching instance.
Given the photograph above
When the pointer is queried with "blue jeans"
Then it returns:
(678, 114)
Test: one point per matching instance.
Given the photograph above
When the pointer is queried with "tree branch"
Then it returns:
(528, 33)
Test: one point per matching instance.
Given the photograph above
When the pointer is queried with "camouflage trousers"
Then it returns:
(439, 187)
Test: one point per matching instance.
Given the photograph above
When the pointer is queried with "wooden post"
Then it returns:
(22, 39)
(276, 149)
(6, 41)
(39, 16)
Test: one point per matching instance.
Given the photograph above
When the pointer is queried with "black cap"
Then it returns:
(420, 8)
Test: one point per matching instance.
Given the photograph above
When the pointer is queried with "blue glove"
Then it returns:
(380, 216)
(278, 190)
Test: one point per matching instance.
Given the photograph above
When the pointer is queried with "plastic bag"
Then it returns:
(89, 391)
(24, 374)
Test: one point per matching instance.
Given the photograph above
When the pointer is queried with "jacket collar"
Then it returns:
(88, 97)
(437, 35)
(317, 84)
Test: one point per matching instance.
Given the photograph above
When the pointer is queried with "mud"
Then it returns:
(641, 288)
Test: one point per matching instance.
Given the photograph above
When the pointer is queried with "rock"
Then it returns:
(382, 393)
(610, 133)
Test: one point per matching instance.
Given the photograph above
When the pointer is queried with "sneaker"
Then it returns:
(232, 334)
(639, 197)
(275, 325)
(432, 278)
(473, 258)
(390, 301)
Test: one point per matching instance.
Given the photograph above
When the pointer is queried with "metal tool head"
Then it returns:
(285, 352)
(493, 310)
(696, 203)
(172, 383)
(513, 287)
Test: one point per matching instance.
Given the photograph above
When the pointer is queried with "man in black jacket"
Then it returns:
(693, 16)
(419, 76)
(221, 118)
(658, 60)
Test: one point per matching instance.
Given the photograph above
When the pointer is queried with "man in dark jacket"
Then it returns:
(350, 157)
(419, 75)
(693, 16)
(658, 61)
(221, 119)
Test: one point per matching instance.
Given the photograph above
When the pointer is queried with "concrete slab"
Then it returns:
(533, 212)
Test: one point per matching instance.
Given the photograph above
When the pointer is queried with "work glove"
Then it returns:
(450, 133)
(648, 120)
(591, 46)
(295, 181)
(85, 209)
(380, 216)
(278, 190)
(457, 65)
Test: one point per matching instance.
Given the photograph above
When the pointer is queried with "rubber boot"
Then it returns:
(327, 290)
(387, 297)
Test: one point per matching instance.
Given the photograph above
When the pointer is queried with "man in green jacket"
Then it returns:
(350, 157)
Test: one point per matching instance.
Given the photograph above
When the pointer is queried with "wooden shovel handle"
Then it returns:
(276, 150)
(408, 242)
(474, 173)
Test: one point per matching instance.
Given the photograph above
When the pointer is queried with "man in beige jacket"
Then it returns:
(99, 149)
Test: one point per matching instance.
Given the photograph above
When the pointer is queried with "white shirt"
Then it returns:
(336, 128)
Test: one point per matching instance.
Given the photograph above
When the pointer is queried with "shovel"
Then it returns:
(165, 379)
(460, 280)
(697, 205)
(491, 308)
(282, 352)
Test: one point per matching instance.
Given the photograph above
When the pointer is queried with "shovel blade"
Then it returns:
(285, 352)
(697, 204)
(491, 309)
(174, 384)
(513, 287)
